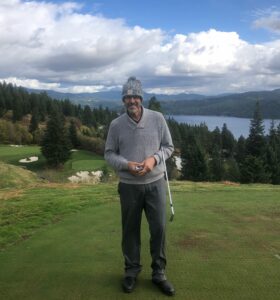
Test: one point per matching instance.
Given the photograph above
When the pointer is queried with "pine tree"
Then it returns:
(228, 141)
(273, 155)
(154, 104)
(175, 132)
(73, 134)
(34, 122)
(17, 109)
(240, 149)
(55, 145)
(216, 139)
(87, 116)
(67, 108)
(256, 140)
(2, 105)
(194, 165)
(254, 168)
(231, 170)
(216, 168)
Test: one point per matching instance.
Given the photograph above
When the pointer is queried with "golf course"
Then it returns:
(62, 240)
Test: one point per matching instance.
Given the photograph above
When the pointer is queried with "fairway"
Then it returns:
(223, 244)
(80, 160)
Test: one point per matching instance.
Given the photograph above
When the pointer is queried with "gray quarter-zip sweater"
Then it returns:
(128, 140)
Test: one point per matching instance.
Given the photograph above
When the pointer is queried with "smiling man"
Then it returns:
(133, 149)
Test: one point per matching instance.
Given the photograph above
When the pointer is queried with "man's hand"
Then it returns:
(148, 164)
(134, 168)
(141, 169)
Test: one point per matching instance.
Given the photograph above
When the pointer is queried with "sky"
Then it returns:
(174, 46)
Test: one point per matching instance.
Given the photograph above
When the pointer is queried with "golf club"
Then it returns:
(168, 187)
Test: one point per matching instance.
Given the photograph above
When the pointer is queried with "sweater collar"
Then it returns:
(141, 122)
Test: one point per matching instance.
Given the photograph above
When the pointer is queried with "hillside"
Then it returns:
(112, 99)
(236, 105)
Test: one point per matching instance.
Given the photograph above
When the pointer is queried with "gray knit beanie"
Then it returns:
(132, 87)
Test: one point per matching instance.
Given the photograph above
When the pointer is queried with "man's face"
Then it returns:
(133, 104)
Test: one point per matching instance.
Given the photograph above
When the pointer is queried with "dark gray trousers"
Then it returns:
(152, 199)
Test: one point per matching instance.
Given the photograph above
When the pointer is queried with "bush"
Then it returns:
(11, 133)
(92, 144)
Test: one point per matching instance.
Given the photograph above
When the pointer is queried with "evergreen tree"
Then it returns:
(154, 104)
(17, 109)
(175, 132)
(73, 134)
(194, 165)
(273, 155)
(228, 141)
(87, 116)
(216, 168)
(56, 145)
(67, 108)
(216, 139)
(231, 170)
(2, 105)
(34, 122)
(256, 141)
(254, 168)
(240, 149)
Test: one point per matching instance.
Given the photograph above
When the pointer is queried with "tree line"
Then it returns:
(216, 155)
(58, 126)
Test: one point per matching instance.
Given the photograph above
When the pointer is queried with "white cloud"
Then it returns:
(268, 19)
(56, 46)
(31, 83)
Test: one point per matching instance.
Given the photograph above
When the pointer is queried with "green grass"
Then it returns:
(12, 155)
(80, 161)
(85, 161)
(63, 242)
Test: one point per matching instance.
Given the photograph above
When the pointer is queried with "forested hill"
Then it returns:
(236, 105)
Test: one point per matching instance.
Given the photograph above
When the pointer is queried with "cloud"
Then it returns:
(57, 46)
(31, 83)
(268, 19)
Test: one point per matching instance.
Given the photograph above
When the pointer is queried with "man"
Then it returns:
(133, 149)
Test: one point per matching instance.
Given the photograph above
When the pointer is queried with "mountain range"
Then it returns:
(236, 104)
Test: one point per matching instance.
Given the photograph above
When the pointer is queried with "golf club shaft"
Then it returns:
(168, 187)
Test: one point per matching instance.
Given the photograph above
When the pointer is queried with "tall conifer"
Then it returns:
(55, 145)
(194, 164)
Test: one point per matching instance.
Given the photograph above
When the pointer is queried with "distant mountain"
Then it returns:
(237, 105)
(113, 96)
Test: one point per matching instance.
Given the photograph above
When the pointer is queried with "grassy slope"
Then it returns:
(12, 176)
(223, 243)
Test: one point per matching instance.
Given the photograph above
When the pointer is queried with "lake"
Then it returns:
(237, 126)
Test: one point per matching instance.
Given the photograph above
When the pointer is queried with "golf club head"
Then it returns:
(171, 217)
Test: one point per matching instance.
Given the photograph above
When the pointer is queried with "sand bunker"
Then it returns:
(29, 159)
(86, 177)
